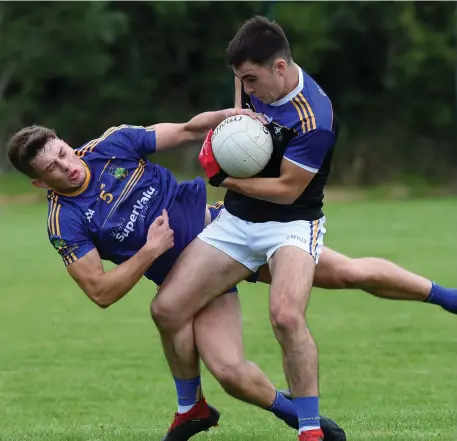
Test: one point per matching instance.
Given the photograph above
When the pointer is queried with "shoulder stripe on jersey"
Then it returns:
(302, 120)
(52, 215)
(310, 111)
(53, 218)
(91, 144)
(57, 220)
(51, 207)
(305, 113)
(136, 176)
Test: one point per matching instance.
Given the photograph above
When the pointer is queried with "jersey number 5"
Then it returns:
(107, 197)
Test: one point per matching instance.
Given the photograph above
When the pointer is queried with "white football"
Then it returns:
(242, 146)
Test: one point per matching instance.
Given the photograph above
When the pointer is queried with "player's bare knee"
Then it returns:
(163, 316)
(286, 318)
(357, 272)
(346, 276)
(350, 275)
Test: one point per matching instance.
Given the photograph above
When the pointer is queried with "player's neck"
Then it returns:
(291, 80)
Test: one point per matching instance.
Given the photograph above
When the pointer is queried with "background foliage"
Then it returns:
(389, 67)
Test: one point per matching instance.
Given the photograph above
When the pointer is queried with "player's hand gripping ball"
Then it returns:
(240, 146)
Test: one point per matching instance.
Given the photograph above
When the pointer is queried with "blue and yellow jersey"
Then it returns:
(304, 132)
(122, 195)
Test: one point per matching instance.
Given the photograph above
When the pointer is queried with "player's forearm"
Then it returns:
(199, 125)
(117, 282)
(267, 189)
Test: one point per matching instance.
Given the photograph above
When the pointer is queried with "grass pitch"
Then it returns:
(70, 371)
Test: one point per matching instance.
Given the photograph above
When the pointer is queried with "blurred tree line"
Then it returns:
(389, 68)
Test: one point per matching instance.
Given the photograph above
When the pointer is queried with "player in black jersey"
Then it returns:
(275, 218)
(305, 129)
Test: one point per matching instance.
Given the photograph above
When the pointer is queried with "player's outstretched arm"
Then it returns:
(170, 135)
(106, 288)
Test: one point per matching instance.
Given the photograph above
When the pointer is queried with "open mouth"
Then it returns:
(74, 175)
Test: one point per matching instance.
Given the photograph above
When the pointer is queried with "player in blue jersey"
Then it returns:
(275, 218)
(105, 197)
(107, 201)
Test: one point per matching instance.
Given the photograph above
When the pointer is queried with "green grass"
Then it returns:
(70, 371)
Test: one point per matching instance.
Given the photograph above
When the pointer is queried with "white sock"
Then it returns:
(184, 409)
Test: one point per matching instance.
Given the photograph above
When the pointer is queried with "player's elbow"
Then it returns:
(102, 304)
(99, 297)
(100, 301)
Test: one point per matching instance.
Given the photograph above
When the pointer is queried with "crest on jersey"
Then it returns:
(59, 244)
(118, 172)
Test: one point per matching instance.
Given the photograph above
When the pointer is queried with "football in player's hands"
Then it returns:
(241, 146)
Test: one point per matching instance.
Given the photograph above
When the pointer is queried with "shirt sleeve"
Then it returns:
(67, 233)
(142, 139)
(308, 151)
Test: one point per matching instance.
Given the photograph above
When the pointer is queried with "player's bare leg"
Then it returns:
(218, 333)
(375, 276)
(380, 278)
(292, 271)
(189, 287)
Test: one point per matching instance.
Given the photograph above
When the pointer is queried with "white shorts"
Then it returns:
(252, 244)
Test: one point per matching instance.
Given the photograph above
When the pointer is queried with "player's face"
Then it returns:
(264, 82)
(58, 167)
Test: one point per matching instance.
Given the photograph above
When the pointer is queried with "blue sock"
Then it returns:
(444, 297)
(189, 392)
(307, 409)
(284, 409)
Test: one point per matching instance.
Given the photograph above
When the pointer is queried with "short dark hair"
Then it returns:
(260, 41)
(24, 146)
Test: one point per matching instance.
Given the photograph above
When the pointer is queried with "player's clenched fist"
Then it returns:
(160, 235)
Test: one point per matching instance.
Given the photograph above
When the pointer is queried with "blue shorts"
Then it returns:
(214, 210)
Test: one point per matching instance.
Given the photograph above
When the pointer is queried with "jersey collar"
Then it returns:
(294, 92)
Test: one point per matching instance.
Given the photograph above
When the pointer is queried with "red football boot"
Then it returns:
(198, 419)
(311, 435)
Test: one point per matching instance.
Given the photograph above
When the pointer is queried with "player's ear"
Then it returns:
(39, 184)
(280, 66)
